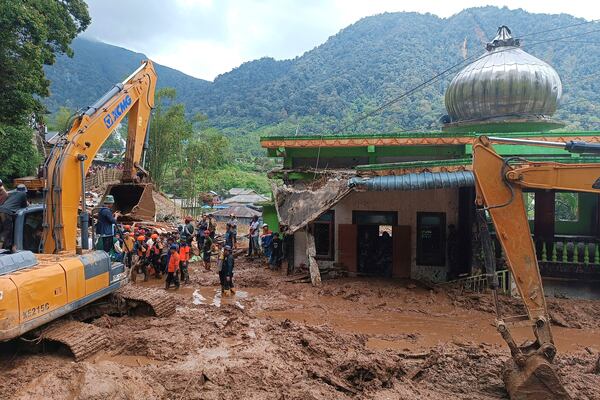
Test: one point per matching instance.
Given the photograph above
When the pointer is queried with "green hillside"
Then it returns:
(77, 82)
(356, 70)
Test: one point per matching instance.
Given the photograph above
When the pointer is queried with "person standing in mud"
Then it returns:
(184, 256)
(266, 237)
(253, 235)
(233, 222)
(128, 243)
(202, 226)
(226, 273)
(207, 250)
(276, 252)
(106, 222)
(229, 236)
(212, 226)
(140, 249)
(173, 268)
(188, 230)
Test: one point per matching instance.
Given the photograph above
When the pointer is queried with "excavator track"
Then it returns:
(161, 303)
(81, 339)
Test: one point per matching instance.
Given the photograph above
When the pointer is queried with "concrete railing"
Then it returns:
(479, 283)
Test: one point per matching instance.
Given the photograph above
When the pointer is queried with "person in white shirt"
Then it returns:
(254, 246)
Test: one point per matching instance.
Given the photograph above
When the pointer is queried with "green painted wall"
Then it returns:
(585, 224)
(270, 217)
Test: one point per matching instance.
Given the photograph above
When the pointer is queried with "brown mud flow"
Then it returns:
(349, 339)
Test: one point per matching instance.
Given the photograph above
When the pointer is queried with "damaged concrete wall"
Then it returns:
(407, 204)
(302, 203)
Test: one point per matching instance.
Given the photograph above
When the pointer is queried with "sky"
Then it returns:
(205, 38)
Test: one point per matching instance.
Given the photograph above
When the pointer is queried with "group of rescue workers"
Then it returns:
(158, 253)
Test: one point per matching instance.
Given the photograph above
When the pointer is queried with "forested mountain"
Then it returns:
(354, 71)
(77, 82)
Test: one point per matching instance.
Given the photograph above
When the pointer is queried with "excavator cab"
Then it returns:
(26, 227)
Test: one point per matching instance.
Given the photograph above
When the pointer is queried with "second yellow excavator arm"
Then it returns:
(71, 157)
(499, 191)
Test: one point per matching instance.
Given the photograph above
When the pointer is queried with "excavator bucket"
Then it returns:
(134, 201)
(535, 380)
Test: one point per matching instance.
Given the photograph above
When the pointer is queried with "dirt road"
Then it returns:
(349, 339)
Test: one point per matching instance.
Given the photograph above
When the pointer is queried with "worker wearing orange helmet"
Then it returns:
(140, 248)
(153, 255)
(128, 243)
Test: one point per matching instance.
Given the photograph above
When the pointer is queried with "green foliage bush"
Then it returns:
(18, 154)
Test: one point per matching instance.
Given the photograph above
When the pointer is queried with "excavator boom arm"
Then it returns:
(499, 190)
(134, 97)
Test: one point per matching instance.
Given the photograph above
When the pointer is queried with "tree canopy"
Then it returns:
(32, 33)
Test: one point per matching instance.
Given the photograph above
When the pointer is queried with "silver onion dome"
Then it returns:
(505, 82)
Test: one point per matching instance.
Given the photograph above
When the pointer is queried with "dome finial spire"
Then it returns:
(503, 38)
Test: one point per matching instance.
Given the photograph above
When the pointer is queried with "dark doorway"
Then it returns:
(375, 242)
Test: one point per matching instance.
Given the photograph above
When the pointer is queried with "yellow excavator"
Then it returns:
(54, 273)
(499, 194)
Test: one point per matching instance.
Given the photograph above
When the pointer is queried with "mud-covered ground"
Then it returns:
(349, 339)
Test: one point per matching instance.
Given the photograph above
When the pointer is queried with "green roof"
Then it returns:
(417, 135)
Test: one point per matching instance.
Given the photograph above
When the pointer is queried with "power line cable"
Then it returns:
(558, 28)
(436, 77)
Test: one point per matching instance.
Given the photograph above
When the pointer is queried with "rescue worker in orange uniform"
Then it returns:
(184, 257)
(173, 268)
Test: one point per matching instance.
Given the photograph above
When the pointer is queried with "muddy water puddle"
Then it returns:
(415, 331)
(208, 295)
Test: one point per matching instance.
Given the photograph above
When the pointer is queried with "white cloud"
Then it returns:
(207, 37)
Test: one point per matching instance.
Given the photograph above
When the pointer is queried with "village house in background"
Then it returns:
(237, 191)
(402, 205)
(245, 200)
(243, 214)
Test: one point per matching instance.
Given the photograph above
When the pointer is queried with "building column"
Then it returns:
(543, 228)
